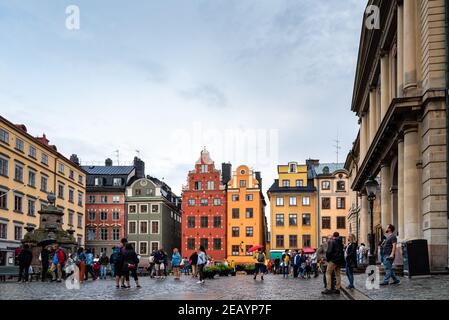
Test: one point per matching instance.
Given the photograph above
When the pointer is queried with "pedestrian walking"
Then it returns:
(81, 263)
(44, 257)
(194, 263)
(59, 258)
(286, 258)
(130, 265)
(388, 251)
(118, 267)
(89, 266)
(185, 266)
(176, 260)
(114, 258)
(335, 260)
(351, 259)
(151, 264)
(277, 265)
(25, 257)
(314, 262)
(104, 262)
(260, 264)
(202, 261)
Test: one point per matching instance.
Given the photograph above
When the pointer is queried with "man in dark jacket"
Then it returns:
(194, 263)
(25, 257)
(45, 256)
(336, 258)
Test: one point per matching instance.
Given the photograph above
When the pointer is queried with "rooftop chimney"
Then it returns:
(226, 171)
(74, 158)
(43, 139)
(108, 162)
(140, 168)
(259, 178)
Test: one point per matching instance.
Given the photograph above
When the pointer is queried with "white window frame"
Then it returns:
(158, 208)
(279, 201)
(140, 208)
(306, 203)
(129, 208)
(139, 252)
(158, 226)
(158, 245)
(140, 226)
(292, 203)
(129, 229)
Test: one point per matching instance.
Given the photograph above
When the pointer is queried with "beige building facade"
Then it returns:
(400, 99)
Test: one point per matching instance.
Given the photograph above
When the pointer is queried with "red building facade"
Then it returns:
(204, 210)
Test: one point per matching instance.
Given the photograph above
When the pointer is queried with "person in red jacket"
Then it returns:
(59, 260)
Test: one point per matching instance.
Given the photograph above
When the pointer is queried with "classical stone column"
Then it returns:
(385, 94)
(385, 186)
(400, 50)
(409, 49)
(400, 227)
(373, 126)
(411, 181)
(362, 138)
(364, 220)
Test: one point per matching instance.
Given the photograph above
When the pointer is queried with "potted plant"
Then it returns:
(210, 272)
(250, 269)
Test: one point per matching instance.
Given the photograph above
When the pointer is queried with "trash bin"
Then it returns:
(416, 258)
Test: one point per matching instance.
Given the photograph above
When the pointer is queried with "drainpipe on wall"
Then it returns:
(446, 2)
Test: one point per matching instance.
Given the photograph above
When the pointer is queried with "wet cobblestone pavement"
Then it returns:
(226, 288)
(434, 288)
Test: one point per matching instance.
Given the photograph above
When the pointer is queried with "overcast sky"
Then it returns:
(260, 82)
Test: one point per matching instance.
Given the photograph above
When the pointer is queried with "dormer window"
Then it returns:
(117, 182)
(292, 168)
(98, 182)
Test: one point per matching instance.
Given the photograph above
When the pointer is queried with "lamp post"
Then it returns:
(371, 189)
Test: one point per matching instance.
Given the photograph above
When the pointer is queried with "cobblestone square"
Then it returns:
(226, 288)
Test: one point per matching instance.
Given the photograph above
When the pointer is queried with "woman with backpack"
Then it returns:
(89, 266)
(202, 261)
(130, 264)
(176, 263)
(260, 264)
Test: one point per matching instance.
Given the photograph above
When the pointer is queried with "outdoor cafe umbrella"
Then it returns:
(255, 248)
(308, 250)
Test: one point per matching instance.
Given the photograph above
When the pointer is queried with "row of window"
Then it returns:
(241, 251)
(292, 201)
(143, 227)
(236, 232)
(18, 231)
(103, 234)
(340, 203)
(192, 245)
(293, 241)
(116, 182)
(204, 222)
(326, 185)
(299, 183)
(249, 213)
(204, 202)
(19, 176)
(293, 219)
(326, 223)
(142, 247)
(143, 208)
(92, 215)
(32, 153)
(248, 197)
(103, 199)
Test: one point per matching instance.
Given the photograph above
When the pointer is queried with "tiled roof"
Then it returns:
(275, 188)
(332, 167)
(106, 170)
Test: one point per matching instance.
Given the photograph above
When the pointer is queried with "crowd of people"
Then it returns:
(328, 260)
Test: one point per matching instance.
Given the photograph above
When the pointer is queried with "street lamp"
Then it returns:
(371, 189)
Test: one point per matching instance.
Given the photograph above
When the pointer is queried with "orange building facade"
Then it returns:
(247, 225)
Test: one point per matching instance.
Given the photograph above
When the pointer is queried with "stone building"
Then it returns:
(333, 199)
(105, 203)
(30, 169)
(399, 97)
(153, 217)
(204, 208)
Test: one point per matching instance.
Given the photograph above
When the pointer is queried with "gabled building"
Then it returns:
(153, 217)
(293, 209)
(333, 199)
(105, 205)
(246, 214)
(204, 208)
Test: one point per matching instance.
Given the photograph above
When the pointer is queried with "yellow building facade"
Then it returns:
(30, 169)
(293, 208)
(245, 215)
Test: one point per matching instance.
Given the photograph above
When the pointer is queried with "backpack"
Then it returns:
(261, 258)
